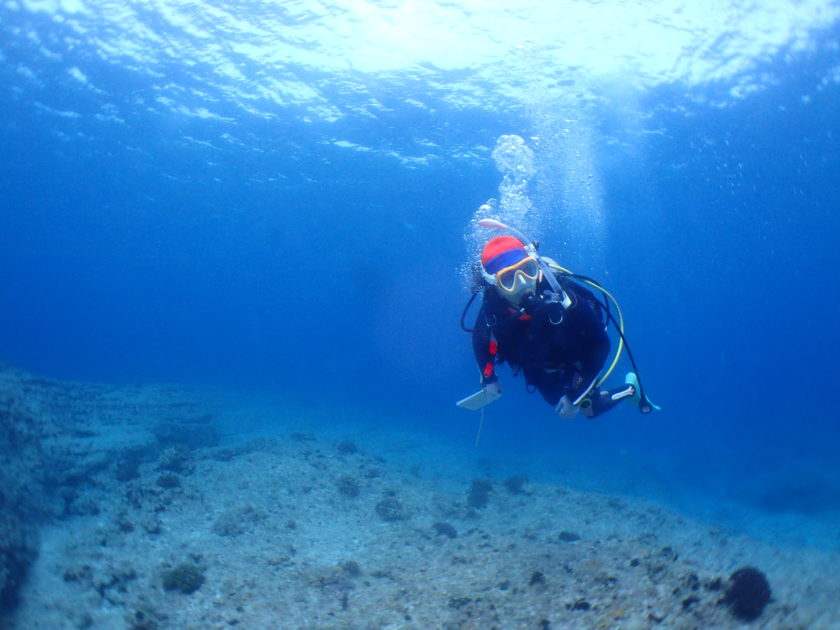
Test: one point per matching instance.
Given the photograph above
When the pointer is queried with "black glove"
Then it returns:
(545, 309)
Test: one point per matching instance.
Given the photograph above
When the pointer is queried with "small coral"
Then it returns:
(389, 509)
(748, 593)
(479, 493)
(445, 529)
(303, 436)
(168, 480)
(144, 619)
(537, 577)
(348, 486)
(175, 459)
(347, 448)
(186, 577)
(127, 468)
(515, 484)
(236, 522)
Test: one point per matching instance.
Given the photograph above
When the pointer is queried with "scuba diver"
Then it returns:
(544, 322)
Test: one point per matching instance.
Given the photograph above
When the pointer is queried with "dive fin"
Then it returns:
(632, 379)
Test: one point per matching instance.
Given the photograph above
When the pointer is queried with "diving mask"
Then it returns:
(518, 278)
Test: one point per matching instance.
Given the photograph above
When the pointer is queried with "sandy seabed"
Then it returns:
(314, 529)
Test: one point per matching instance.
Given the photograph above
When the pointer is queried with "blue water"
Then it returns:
(276, 198)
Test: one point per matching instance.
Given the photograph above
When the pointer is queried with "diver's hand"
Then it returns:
(566, 409)
(494, 387)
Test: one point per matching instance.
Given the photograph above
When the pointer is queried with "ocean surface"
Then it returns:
(272, 201)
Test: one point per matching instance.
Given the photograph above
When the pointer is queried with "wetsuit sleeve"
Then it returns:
(593, 361)
(484, 347)
(596, 349)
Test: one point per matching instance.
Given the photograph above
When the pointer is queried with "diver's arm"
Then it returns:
(484, 347)
(592, 363)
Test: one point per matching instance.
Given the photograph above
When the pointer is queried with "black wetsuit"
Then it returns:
(559, 350)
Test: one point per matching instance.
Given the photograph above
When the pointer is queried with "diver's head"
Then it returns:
(506, 264)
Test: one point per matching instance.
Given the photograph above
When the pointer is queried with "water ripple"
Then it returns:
(356, 60)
